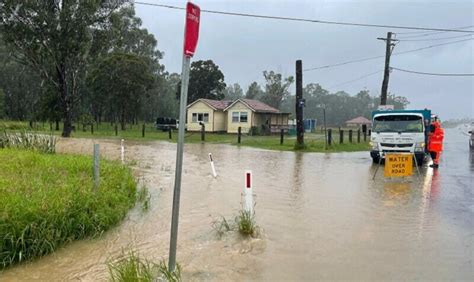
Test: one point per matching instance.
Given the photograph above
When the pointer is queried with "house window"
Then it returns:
(201, 117)
(239, 117)
(235, 116)
(243, 116)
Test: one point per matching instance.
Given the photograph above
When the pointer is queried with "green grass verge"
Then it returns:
(314, 142)
(48, 200)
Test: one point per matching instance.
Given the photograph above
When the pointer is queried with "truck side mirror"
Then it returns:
(432, 128)
(470, 132)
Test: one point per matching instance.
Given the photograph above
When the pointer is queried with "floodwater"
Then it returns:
(322, 215)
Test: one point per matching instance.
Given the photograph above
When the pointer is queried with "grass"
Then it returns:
(314, 142)
(47, 201)
(27, 140)
(133, 268)
(244, 222)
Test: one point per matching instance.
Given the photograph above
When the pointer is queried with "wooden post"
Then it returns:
(350, 136)
(239, 133)
(358, 136)
(203, 132)
(299, 101)
(329, 136)
(365, 136)
(143, 130)
(169, 132)
(116, 130)
(341, 136)
(282, 133)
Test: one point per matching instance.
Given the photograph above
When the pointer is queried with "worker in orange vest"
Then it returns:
(435, 142)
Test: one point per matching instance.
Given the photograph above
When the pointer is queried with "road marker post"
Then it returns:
(122, 151)
(248, 192)
(212, 166)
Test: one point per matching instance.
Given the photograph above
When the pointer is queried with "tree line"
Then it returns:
(92, 61)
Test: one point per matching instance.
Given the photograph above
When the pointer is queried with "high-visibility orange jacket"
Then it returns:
(435, 139)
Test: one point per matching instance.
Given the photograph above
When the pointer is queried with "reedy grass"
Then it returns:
(29, 140)
(133, 268)
(244, 222)
(48, 200)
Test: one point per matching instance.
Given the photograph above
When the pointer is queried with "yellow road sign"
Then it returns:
(397, 165)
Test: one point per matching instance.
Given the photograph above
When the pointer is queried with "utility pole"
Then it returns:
(386, 74)
(299, 105)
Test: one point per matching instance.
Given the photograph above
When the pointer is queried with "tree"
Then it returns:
(205, 81)
(125, 78)
(233, 92)
(276, 88)
(54, 37)
(254, 91)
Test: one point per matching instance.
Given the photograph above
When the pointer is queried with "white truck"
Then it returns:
(400, 131)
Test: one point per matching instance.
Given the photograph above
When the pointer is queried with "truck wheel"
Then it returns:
(376, 160)
(420, 161)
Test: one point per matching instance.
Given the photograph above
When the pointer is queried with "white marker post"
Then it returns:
(122, 151)
(248, 192)
(212, 166)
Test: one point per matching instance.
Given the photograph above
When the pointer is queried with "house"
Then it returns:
(227, 116)
(210, 113)
(358, 121)
(246, 113)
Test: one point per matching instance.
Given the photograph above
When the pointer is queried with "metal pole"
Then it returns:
(179, 163)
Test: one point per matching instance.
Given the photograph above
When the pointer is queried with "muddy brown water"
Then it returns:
(323, 217)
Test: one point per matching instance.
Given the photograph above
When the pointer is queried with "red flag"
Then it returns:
(191, 29)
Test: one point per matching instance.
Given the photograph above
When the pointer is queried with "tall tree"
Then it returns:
(205, 81)
(233, 92)
(127, 78)
(55, 37)
(276, 88)
(254, 91)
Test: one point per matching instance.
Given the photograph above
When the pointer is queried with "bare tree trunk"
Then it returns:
(66, 101)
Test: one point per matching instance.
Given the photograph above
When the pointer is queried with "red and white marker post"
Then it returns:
(214, 173)
(248, 192)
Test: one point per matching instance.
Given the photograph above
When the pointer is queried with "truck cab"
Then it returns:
(400, 131)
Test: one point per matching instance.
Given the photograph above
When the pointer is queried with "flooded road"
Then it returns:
(323, 217)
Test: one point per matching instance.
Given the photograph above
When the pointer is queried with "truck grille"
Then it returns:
(396, 145)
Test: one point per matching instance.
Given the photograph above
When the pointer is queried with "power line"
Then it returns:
(434, 74)
(436, 39)
(356, 79)
(383, 56)
(309, 20)
(413, 33)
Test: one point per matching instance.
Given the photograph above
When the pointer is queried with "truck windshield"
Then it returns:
(398, 123)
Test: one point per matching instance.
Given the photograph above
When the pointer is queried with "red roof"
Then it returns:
(216, 104)
(259, 107)
(256, 106)
(359, 120)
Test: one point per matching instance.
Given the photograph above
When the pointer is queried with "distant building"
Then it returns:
(227, 116)
(358, 122)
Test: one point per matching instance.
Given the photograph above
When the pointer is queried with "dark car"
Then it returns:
(165, 123)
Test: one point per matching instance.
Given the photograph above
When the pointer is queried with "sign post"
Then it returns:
(191, 34)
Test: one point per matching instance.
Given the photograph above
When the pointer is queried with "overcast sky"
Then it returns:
(245, 47)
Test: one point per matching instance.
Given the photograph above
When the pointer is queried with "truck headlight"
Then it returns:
(374, 145)
(419, 146)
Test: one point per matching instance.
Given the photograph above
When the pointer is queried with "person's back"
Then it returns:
(435, 143)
